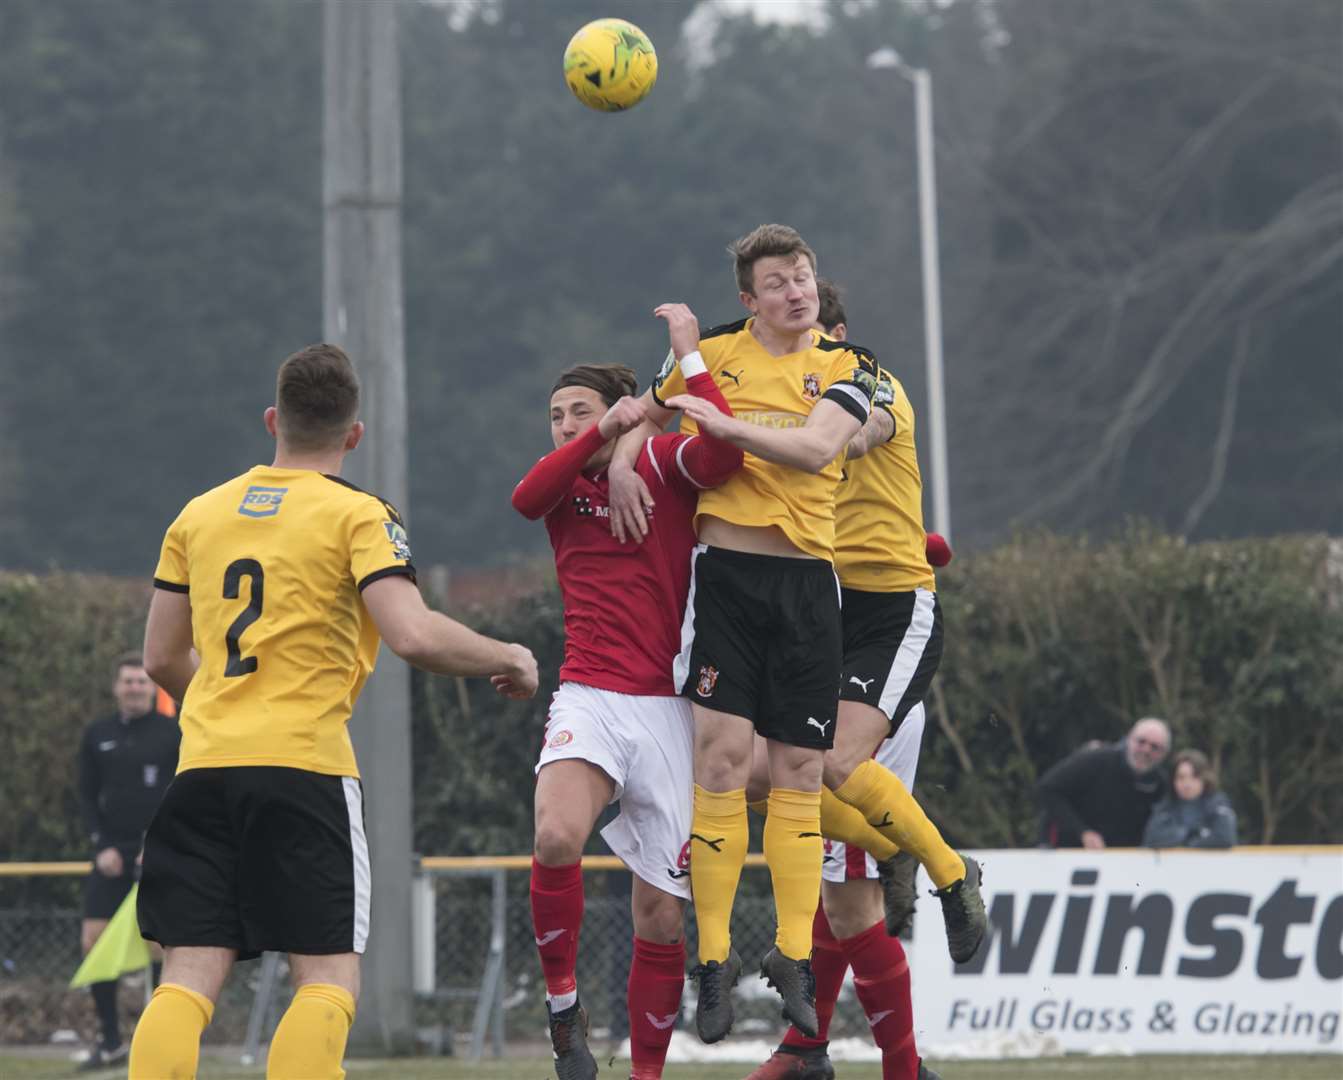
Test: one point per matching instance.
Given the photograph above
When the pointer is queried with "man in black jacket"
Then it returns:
(126, 761)
(1102, 796)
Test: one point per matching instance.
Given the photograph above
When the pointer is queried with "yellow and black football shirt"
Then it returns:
(780, 392)
(880, 545)
(273, 562)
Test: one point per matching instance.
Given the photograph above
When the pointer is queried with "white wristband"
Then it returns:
(692, 364)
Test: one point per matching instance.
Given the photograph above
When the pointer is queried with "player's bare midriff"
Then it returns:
(754, 539)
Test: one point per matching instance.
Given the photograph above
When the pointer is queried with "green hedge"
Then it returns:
(1052, 642)
(60, 635)
(1049, 642)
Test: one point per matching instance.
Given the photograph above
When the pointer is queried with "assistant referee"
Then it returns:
(125, 763)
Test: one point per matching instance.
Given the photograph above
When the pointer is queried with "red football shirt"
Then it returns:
(623, 603)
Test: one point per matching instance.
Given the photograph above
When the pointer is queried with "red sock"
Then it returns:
(657, 975)
(881, 980)
(828, 964)
(557, 916)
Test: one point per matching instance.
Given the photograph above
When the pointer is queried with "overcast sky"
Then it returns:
(782, 10)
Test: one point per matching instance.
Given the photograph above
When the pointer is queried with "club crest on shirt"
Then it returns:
(708, 678)
(682, 868)
(811, 386)
(397, 537)
(561, 738)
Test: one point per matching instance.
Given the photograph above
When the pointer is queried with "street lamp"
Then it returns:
(932, 290)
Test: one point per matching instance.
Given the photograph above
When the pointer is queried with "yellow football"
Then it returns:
(610, 65)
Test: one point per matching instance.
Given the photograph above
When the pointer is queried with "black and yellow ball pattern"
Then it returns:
(610, 65)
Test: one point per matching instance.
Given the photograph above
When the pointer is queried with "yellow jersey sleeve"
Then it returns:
(879, 537)
(850, 381)
(171, 572)
(379, 546)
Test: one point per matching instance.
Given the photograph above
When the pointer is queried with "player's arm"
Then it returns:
(709, 460)
(628, 496)
(705, 460)
(551, 478)
(809, 448)
(432, 641)
(879, 428)
(630, 500)
(169, 659)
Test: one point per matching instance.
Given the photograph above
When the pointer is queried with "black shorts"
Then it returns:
(892, 646)
(761, 639)
(258, 858)
(102, 894)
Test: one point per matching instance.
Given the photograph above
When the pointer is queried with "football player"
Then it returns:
(285, 579)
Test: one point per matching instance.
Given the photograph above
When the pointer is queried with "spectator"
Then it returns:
(125, 763)
(1193, 813)
(1102, 797)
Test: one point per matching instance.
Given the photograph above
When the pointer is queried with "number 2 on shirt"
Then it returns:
(233, 575)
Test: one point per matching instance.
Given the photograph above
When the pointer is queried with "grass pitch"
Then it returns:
(1323, 1067)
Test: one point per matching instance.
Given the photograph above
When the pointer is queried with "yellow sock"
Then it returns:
(309, 1044)
(892, 811)
(718, 836)
(793, 854)
(840, 821)
(760, 806)
(167, 1042)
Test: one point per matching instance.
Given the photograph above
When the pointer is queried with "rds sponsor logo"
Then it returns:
(259, 502)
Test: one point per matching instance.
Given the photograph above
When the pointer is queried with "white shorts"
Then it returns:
(900, 754)
(645, 745)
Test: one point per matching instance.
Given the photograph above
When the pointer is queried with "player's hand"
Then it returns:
(520, 679)
(631, 502)
(108, 861)
(682, 327)
(624, 415)
(1092, 840)
(705, 414)
(937, 549)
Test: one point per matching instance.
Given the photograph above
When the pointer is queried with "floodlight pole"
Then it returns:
(932, 277)
(362, 310)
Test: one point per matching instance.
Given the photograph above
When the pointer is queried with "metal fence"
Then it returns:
(477, 979)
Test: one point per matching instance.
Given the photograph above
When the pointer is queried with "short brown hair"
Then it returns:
(762, 242)
(316, 397)
(611, 381)
(832, 307)
(125, 660)
(1202, 767)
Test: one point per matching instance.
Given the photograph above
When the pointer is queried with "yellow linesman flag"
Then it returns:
(118, 950)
